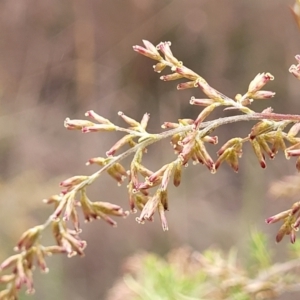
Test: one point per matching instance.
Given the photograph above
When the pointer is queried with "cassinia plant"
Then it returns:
(148, 189)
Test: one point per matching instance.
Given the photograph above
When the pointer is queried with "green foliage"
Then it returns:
(211, 275)
(260, 255)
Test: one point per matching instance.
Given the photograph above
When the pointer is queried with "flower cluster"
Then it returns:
(148, 189)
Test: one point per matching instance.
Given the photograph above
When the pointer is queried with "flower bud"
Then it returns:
(210, 139)
(231, 157)
(159, 67)
(187, 73)
(187, 152)
(109, 209)
(164, 199)
(166, 176)
(263, 95)
(141, 200)
(186, 122)
(163, 219)
(164, 47)
(261, 127)
(235, 142)
(209, 91)
(77, 124)
(119, 144)
(186, 85)
(53, 199)
(69, 207)
(73, 181)
(259, 81)
(117, 172)
(170, 77)
(155, 176)
(293, 150)
(73, 244)
(264, 146)
(281, 216)
(40, 255)
(205, 113)
(29, 237)
(294, 130)
(98, 128)
(150, 50)
(7, 278)
(10, 261)
(204, 157)
(201, 102)
(177, 173)
(258, 152)
(278, 142)
(128, 120)
(295, 69)
(169, 125)
(144, 121)
(98, 118)
(150, 207)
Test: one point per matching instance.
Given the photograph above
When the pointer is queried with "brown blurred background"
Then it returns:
(60, 58)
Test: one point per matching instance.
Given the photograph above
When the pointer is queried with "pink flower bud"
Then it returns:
(293, 150)
(169, 125)
(77, 124)
(119, 144)
(209, 91)
(164, 47)
(264, 146)
(187, 73)
(281, 216)
(261, 127)
(10, 261)
(295, 69)
(210, 139)
(97, 160)
(29, 237)
(186, 85)
(205, 113)
(72, 181)
(155, 176)
(150, 207)
(170, 77)
(97, 117)
(163, 218)
(201, 102)
(258, 152)
(263, 95)
(166, 176)
(150, 50)
(259, 81)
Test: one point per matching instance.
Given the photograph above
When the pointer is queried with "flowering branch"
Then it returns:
(188, 138)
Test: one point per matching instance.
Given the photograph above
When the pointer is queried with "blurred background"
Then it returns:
(59, 59)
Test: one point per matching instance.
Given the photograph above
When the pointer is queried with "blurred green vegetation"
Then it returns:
(186, 274)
